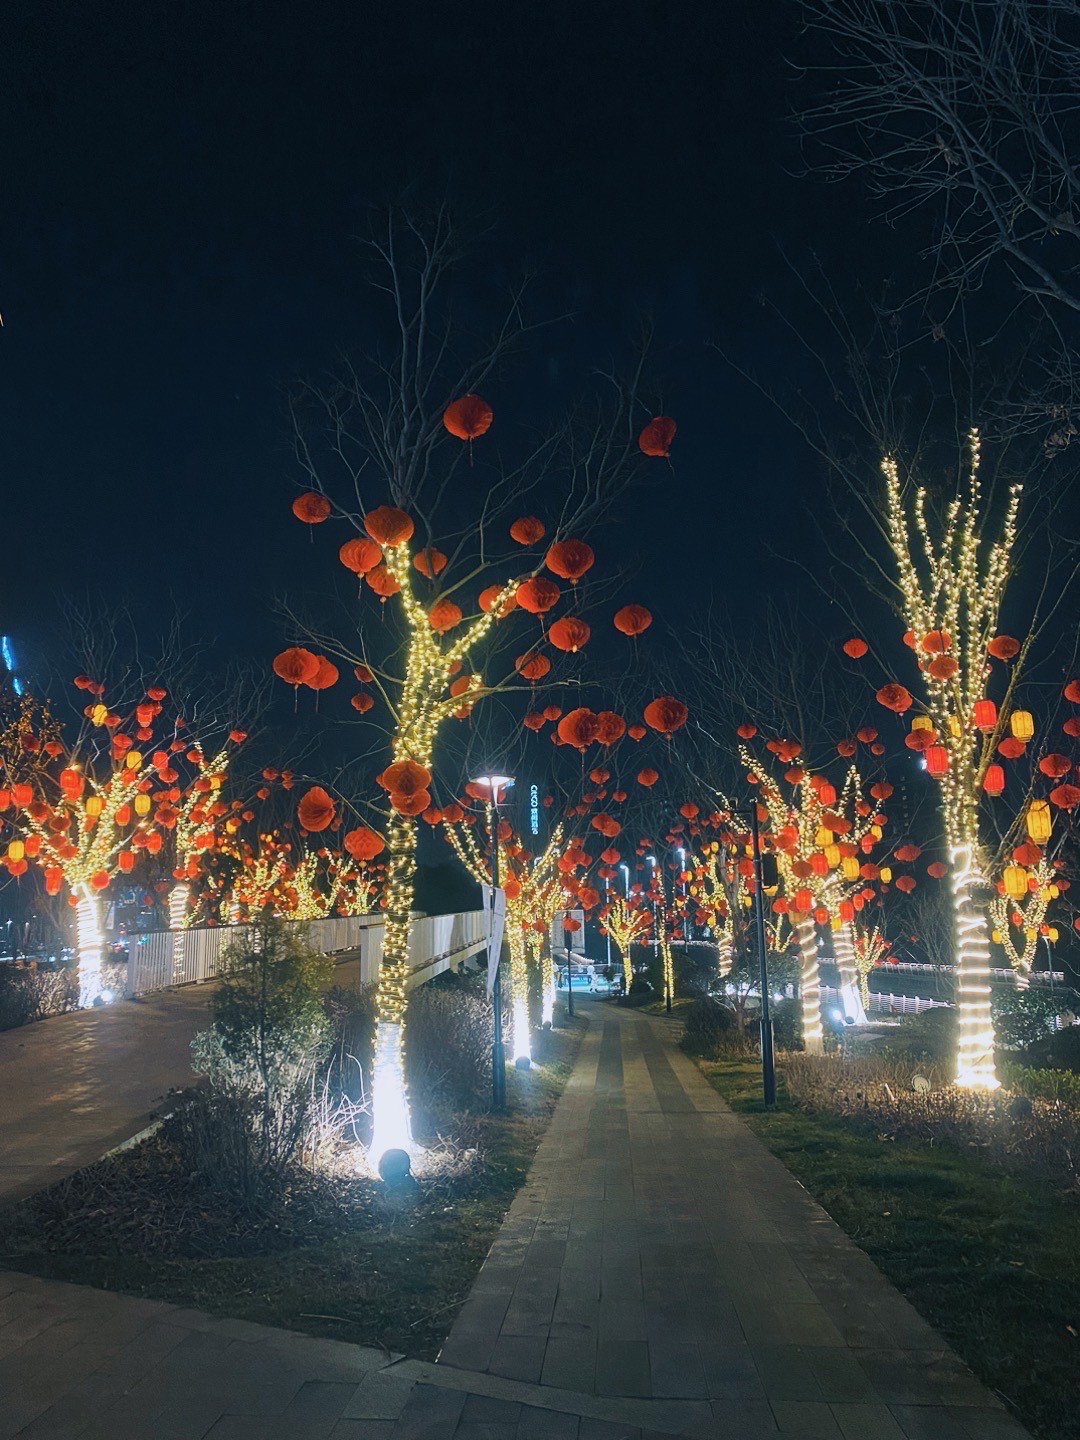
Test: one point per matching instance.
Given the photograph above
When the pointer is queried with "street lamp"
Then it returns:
(626, 878)
(495, 786)
(686, 897)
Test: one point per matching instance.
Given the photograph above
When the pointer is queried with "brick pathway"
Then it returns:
(660, 1273)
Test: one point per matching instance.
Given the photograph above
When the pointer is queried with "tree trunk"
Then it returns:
(851, 1001)
(975, 1050)
(389, 1099)
(91, 944)
(810, 987)
(521, 1048)
(547, 980)
(178, 906)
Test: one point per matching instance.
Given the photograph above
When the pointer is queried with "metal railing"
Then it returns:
(161, 959)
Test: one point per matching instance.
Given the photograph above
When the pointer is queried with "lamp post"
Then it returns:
(495, 785)
(680, 851)
(626, 878)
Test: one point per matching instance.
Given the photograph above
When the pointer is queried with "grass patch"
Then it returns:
(992, 1260)
(346, 1260)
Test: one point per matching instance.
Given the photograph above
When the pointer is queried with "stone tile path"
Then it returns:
(660, 1273)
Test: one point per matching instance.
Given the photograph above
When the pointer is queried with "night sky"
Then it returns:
(183, 185)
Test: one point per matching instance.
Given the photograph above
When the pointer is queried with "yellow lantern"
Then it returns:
(876, 831)
(1015, 880)
(922, 722)
(1038, 822)
(885, 874)
(836, 923)
(1052, 892)
(849, 867)
(824, 837)
(1030, 933)
(1021, 724)
(98, 714)
(955, 728)
(832, 855)
(94, 806)
(16, 850)
(142, 804)
(995, 936)
(1052, 934)
(133, 760)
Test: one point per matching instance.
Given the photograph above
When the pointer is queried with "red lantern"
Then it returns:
(538, 595)
(855, 648)
(443, 616)
(296, 666)
(325, 676)
(532, 666)
(936, 642)
(468, 418)
(1003, 647)
(569, 559)
(429, 562)
(360, 555)
(527, 531)
(937, 760)
(984, 714)
(665, 714)
(994, 780)
(894, 697)
(570, 634)
(655, 440)
(578, 728)
(632, 620)
(610, 727)
(363, 844)
(389, 526)
(316, 809)
(311, 507)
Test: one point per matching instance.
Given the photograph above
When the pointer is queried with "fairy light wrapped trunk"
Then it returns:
(423, 707)
(952, 583)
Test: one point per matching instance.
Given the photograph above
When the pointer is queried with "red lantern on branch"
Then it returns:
(316, 810)
(569, 559)
(311, 507)
(665, 714)
(528, 530)
(389, 526)
(468, 418)
(655, 440)
(569, 634)
(632, 620)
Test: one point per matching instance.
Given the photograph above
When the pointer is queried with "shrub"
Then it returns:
(1060, 1051)
(32, 990)
(876, 1096)
(1062, 1086)
(1023, 1017)
(708, 1027)
(268, 1038)
(448, 1038)
(929, 1038)
(787, 1024)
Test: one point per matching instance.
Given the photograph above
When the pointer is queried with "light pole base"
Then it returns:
(523, 1063)
(394, 1166)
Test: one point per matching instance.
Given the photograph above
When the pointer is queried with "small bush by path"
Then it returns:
(989, 1255)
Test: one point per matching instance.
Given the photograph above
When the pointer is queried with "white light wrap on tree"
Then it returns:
(547, 978)
(519, 995)
(178, 909)
(975, 1048)
(391, 1130)
(953, 583)
(810, 986)
(91, 944)
(850, 990)
(669, 967)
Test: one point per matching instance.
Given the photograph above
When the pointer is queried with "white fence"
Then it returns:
(889, 1004)
(1038, 977)
(159, 959)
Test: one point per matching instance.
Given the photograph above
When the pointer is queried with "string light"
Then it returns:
(627, 926)
(956, 586)
(423, 708)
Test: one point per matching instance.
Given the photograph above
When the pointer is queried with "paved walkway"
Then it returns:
(659, 1273)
